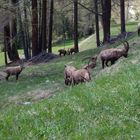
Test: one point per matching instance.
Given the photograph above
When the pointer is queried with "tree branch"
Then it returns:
(87, 8)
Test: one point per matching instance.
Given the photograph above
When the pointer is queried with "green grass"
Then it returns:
(90, 43)
(2, 60)
(64, 45)
(106, 108)
(132, 26)
(84, 44)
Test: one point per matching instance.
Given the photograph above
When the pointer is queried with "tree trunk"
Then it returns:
(35, 50)
(44, 25)
(106, 16)
(40, 18)
(6, 42)
(76, 25)
(50, 26)
(122, 13)
(97, 23)
(14, 39)
(26, 32)
(22, 35)
(14, 36)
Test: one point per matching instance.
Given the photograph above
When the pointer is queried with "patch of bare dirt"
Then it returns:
(39, 94)
(30, 97)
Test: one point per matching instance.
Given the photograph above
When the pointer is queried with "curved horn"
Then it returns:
(126, 43)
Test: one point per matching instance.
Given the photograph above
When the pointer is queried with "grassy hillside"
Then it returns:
(90, 42)
(40, 106)
(84, 43)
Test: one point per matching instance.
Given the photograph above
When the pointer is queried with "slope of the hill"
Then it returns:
(90, 42)
(40, 106)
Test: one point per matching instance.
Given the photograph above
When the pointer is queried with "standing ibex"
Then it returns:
(72, 50)
(67, 74)
(80, 76)
(14, 70)
(113, 54)
(62, 51)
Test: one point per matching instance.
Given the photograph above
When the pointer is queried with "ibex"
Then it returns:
(14, 70)
(72, 50)
(62, 51)
(80, 76)
(72, 76)
(67, 74)
(113, 54)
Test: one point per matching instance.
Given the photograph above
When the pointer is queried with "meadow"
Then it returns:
(39, 105)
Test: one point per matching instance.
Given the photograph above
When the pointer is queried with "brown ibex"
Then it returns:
(80, 76)
(113, 54)
(62, 51)
(73, 76)
(14, 70)
(67, 74)
(72, 50)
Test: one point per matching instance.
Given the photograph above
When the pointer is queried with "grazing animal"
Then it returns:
(92, 64)
(138, 29)
(67, 74)
(13, 70)
(72, 50)
(62, 51)
(72, 76)
(113, 54)
(80, 76)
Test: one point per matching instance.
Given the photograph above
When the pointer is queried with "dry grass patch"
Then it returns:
(30, 97)
(39, 95)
